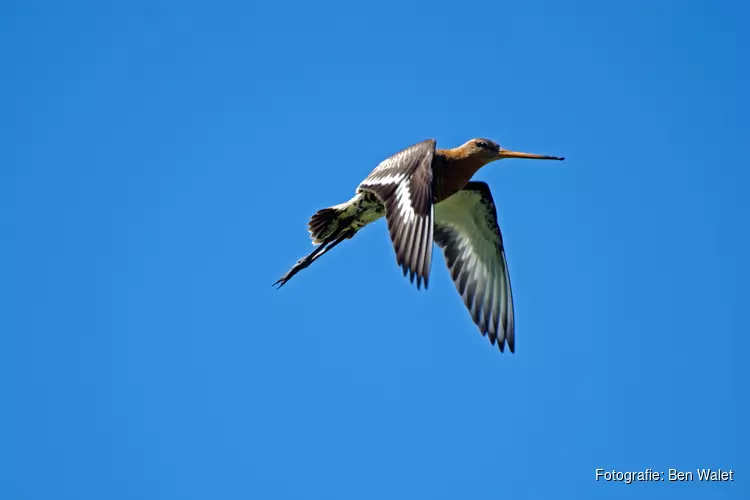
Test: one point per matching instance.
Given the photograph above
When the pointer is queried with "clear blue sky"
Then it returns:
(159, 164)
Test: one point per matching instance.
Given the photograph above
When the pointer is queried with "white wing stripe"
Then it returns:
(404, 203)
(385, 178)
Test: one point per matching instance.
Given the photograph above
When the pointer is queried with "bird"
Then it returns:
(427, 195)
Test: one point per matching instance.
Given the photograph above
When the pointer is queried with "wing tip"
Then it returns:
(509, 340)
(510, 337)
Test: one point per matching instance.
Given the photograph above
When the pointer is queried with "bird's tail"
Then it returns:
(324, 223)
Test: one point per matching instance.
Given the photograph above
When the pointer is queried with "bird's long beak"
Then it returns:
(504, 153)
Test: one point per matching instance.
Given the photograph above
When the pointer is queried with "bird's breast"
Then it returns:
(450, 175)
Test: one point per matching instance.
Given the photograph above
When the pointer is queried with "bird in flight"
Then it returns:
(426, 194)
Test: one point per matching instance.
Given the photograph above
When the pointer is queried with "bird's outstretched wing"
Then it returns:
(467, 231)
(403, 183)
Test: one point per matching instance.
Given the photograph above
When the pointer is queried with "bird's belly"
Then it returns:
(367, 210)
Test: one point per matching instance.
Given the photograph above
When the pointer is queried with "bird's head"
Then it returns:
(490, 151)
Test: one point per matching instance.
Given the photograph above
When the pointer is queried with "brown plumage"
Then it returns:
(426, 194)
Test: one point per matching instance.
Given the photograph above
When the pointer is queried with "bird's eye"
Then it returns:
(482, 144)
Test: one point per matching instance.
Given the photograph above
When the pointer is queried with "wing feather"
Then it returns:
(403, 183)
(467, 231)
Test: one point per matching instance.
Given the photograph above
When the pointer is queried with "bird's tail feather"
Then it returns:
(324, 223)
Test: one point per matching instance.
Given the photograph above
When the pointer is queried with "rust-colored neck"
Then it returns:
(452, 169)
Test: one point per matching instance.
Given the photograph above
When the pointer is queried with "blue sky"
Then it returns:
(159, 165)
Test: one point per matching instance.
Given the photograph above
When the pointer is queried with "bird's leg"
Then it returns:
(324, 247)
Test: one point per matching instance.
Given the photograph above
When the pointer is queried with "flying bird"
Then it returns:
(426, 194)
